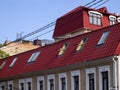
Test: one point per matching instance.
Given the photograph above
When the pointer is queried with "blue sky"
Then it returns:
(25, 16)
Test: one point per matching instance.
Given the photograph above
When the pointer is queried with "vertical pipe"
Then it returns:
(115, 72)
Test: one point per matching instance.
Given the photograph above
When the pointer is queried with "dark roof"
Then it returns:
(49, 58)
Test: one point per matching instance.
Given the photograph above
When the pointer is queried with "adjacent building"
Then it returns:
(85, 56)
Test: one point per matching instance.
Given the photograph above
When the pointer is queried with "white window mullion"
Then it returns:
(40, 79)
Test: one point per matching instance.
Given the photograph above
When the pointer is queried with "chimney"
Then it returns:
(37, 42)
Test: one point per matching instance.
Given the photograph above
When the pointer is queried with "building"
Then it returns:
(85, 56)
(13, 48)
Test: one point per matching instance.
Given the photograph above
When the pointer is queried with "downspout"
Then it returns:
(115, 72)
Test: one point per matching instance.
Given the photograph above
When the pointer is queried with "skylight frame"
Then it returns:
(2, 65)
(103, 38)
(13, 62)
(34, 56)
(63, 49)
(81, 45)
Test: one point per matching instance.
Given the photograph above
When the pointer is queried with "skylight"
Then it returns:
(13, 62)
(2, 65)
(103, 38)
(81, 44)
(62, 50)
(33, 57)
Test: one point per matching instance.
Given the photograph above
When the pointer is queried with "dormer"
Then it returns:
(83, 20)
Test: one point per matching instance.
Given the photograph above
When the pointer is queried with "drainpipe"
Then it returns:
(115, 71)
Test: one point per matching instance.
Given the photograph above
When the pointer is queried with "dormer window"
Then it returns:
(112, 19)
(95, 18)
(33, 57)
(81, 44)
(2, 65)
(62, 50)
(118, 19)
(103, 38)
(13, 62)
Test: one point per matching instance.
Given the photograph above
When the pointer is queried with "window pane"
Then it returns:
(105, 80)
(51, 84)
(63, 83)
(91, 81)
(41, 85)
(103, 38)
(76, 82)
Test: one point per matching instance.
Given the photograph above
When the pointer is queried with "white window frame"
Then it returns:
(98, 19)
(21, 81)
(75, 73)
(26, 82)
(41, 78)
(111, 17)
(13, 62)
(2, 84)
(10, 83)
(49, 77)
(90, 71)
(34, 56)
(103, 38)
(62, 75)
(102, 69)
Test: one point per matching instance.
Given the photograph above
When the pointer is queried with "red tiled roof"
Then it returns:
(49, 58)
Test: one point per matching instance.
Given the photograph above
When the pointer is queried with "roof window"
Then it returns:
(62, 50)
(13, 62)
(112, 19)
(103, 38)
(2, 65)
(81, 44)
(95, 17)
(33, 57)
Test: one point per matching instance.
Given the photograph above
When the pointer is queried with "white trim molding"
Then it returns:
(28, 80)
(75, 73)
(118, 19)
(111, 16)
(62, 75)
(90, 71)
(49, 77)
(95, 12)
(10, 83)
(41, 78)
(3, 84)
(21, 81)
(103, 69)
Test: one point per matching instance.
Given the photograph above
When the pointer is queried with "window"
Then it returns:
(40, 83)
(103, 38)
(90, 79)
(95, 18)
(10, 85)
(75, 80)
(62, 50)
(13, 62)
(2, 65)
(112, 19)
(62, 81)
(21, 84)
(33, 57)
(28, 83)
(118, 19)
(51, 82)
(81, 44)
(2, 86)
(104, 78)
